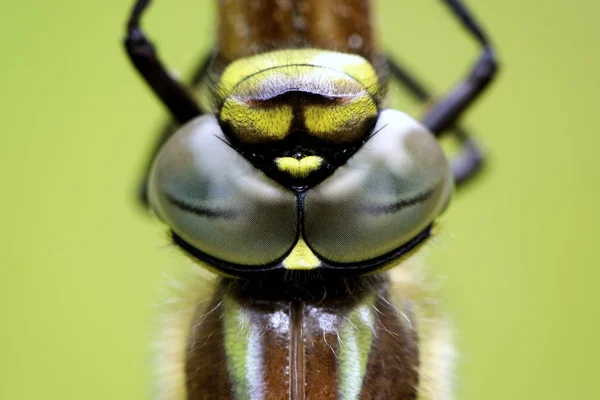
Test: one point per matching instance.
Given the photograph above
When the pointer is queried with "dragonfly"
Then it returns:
(285, 175)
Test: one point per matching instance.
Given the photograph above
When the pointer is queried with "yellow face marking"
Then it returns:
(299, 168)
(301, 258)
(248, 85)
(340, 122)
(256, 125)
(355, 66)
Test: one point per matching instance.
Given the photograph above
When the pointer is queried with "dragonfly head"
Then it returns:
(299, 169)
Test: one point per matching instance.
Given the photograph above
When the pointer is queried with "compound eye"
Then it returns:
(217, 202)
(384, 196)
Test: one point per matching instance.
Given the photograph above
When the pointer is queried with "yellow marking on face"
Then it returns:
(244, 67)
(255, 124)
(301, 258)
(355, 66)
(248, 85)
(340, 122)
(299, 168)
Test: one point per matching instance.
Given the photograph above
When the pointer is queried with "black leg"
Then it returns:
(172, 93)
(470, 158)
(142, 54)
(447, 111)
(165, 133)
(469, 161)
(444, 115)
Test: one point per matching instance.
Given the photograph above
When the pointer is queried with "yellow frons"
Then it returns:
(247, 85)
(299, 168)
(340, 122)
(355, 66)
(301, 258)
(256, 125)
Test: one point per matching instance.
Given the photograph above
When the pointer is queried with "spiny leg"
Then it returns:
(143, 56)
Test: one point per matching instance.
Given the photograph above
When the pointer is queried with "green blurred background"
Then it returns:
(81, 265)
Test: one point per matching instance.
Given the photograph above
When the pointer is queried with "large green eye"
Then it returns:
(384, 196)
(217, 202)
